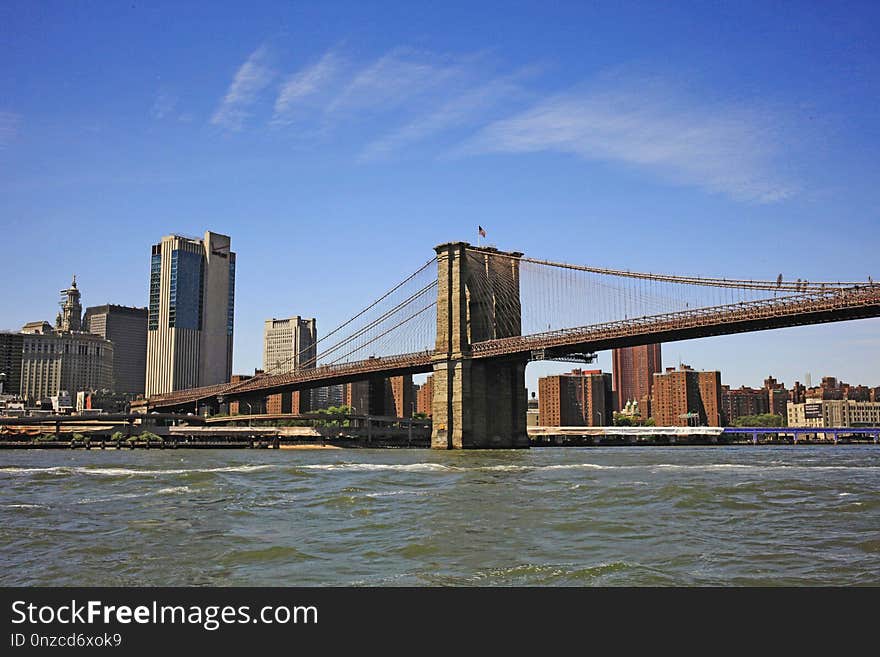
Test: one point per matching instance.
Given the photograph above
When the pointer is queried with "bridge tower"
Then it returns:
(477, 404)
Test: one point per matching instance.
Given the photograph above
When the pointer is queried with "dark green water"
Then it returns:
(554, 516)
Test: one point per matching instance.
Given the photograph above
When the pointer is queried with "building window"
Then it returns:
(186, 291)
(155, 284)
(230, 309)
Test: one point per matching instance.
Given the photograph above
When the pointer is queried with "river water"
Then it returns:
(639, 516)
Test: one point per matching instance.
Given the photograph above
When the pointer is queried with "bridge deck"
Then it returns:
(818, 306)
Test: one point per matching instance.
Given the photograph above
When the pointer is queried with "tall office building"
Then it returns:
(190, 321)
(126, 328)
(686, 397)
(289, 344)
(634, 369)
(11, 348)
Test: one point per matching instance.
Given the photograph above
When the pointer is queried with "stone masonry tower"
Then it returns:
(477, 404)
(71, 309)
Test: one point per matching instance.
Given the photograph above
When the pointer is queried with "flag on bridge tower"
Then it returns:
(481, 231)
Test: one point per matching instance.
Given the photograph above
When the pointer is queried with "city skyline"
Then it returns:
(682, 353)
(347, 140)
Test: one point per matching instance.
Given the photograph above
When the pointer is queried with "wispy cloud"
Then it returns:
(164, 105)
(396, 78)
(9, 123)
(723, 148)
(252, 77)
(465, 109)
(305, 83)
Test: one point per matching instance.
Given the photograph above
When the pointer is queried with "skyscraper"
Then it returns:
(10, 361)
(634, 369)
(126, 328)
(190, 322)
(289, 344)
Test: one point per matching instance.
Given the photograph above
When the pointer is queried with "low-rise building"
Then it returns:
(827, 413)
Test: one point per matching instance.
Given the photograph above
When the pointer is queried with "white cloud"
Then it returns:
(252, 77)
(305, 83)
(725, 149)
(9, 123)
(393, 80)
(466, 108)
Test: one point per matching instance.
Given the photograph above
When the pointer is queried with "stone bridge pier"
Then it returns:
(478, 404)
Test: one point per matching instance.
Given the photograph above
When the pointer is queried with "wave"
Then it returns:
(173, 490)
(417, 467)
(131, 472)
(709, 466)
(111, 498)
(531, 573)
(394, 493)
(754, 466)
(579, 466)
(373, 467)
(23, 506)
(438, 467)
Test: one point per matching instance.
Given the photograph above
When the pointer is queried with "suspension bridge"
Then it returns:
(475, 316)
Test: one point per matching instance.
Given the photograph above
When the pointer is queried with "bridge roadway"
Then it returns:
(814, 307)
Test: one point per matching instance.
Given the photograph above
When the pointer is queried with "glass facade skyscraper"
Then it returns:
(192, 311)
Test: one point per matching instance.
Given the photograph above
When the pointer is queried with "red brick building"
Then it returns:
(425, 397)
(677, 393)
(577, 399)
(289, 402)
(743, 401)
(634, 369)
(777, 397)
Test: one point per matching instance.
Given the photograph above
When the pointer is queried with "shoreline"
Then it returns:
(97, 446)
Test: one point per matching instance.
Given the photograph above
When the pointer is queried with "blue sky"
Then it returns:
(338, 142)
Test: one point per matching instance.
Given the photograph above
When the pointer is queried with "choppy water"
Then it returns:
(553, 516)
